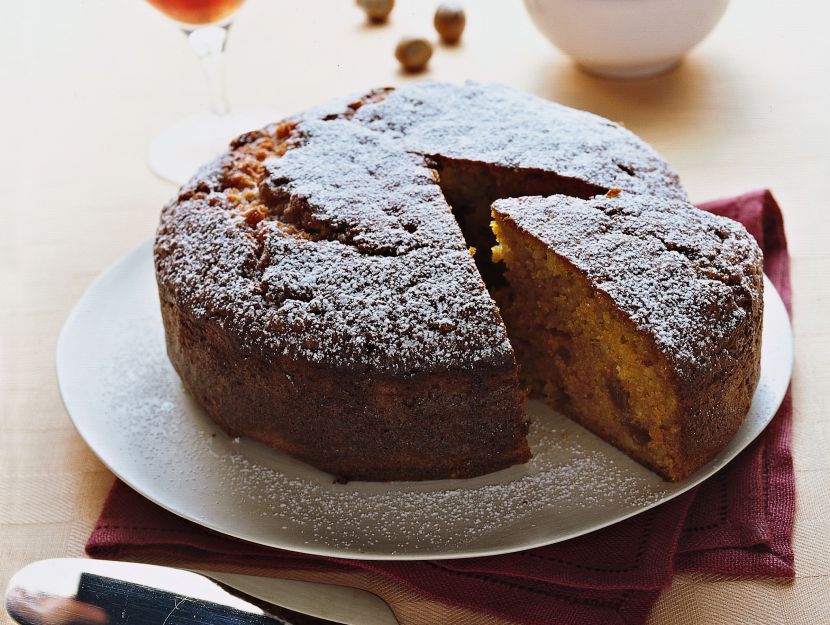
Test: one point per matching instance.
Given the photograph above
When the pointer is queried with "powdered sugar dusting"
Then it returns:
(371, 194)
(496, 124)
(692, 280)
(359, 262)
(563, 473)
(380, 311)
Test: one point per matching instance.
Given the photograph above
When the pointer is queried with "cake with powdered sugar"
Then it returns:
(327, 288)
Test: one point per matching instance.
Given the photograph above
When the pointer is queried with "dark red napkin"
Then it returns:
(739, 522)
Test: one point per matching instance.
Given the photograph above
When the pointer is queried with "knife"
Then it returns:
(91, 592)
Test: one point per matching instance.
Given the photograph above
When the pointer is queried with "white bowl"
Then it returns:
(626, 38)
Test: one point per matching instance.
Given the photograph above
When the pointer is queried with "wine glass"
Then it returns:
(178, 151)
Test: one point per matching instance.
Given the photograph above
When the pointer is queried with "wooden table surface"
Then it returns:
(84, 86)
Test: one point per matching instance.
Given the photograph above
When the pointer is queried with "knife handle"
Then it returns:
(133, 604)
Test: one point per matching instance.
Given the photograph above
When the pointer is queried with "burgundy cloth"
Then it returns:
(739, 522)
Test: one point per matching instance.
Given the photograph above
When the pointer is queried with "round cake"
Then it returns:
(327, 286)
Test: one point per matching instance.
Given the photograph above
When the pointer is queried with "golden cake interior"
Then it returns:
(583, 356)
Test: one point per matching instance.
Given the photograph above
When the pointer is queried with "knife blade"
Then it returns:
(96, 592)
(342, 604)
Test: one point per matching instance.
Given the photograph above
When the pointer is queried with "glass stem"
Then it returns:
(209, 45)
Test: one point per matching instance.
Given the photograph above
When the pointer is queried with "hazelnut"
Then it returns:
(413, 53)
(449, 21)
(376, 10)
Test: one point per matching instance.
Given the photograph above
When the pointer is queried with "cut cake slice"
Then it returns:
(637, 316)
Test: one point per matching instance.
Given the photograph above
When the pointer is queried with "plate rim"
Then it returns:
(700, 476)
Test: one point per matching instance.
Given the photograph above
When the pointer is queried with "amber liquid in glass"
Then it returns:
(177, 152)
(197, 12)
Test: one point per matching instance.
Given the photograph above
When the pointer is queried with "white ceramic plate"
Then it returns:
(128, 404)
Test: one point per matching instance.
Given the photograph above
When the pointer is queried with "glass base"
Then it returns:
(181, 149)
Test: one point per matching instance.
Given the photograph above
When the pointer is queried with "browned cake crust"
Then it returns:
(318, 294)
(351, 424)
(671, 305)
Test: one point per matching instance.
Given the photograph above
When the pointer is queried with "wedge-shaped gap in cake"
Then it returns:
(471, 187)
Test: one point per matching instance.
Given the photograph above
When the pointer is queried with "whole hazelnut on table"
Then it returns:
(376, 10)
(413, 53)
(449, 21)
